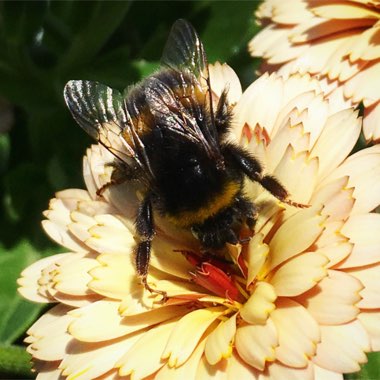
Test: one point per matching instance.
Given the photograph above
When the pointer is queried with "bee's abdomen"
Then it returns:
(209, 207)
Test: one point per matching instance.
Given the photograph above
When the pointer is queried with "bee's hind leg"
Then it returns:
(145, 230)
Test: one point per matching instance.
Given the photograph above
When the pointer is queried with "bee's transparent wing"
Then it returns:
(184, 52)
(100, 111)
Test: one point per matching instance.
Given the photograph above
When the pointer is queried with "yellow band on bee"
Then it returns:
(218, 203)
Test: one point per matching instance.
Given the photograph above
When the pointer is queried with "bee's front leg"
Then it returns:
(251, 167)
(120, 174)
(145, 230)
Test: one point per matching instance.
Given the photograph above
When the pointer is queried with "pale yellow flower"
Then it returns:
(337, 40)
(298, 300)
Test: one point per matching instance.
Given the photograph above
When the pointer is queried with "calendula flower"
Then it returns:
(297, 299)
(337, 40)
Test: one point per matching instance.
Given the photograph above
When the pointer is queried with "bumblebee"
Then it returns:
(166, 134)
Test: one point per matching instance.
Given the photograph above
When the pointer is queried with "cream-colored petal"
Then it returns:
(335, 253)
(364, 85)
(86, 321)
(314, 117)
(48, 335)
(97, 173)
(314, 58)
(72, 276)
(288, 135)
(338, 65)
(282, 50)
(371, 122)
(238, 369)
(124, 198)
(89, 360)
(362, 230)
(69, 195)
(324, 374)
(224, 77)
(319, 27)
(371, 323)
(349, 70)
(219, 342)
(296, 87)
(115, 277)
(49, 372)
(268, 36)
(257, 254)
(334, 300)
(342, 130)
(256, 344)
(346, 10)
(366, 183)
(299, 274)
(291, 12)
(87, 175)
(144, 357)
(304, 227)
(187, 333)
(94, 208)
(300, 107)
(298, 173)
(337, 199)
(331, 235)
(367, 46)
(75, 301)
(332, 243)
(175, 290)
(369, 276)
(278, 371)
(63, 237)
(29, 280)
(166, 256)
(298, 333)
(111, 239)
(260, 304)
(206, 370)
(186, 371)
(342, 348)
(253, 109)
(105, 313)
(112, 375)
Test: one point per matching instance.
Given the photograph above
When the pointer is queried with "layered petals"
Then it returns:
(296, 298)
(337, 40)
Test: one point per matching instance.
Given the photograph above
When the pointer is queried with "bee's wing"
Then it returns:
(100, 111)
(184, 52)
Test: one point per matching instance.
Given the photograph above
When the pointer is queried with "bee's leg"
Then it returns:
(145, 230)
(246, 210)
(121, 173)
(251, 167)
(223, 114)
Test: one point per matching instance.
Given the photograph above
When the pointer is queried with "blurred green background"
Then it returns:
(43, 44)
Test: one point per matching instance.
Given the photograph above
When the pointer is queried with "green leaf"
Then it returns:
(102, 20)
(369, 371)
(228, 29)
(16, 361)
(145, 68)
(21, 20)
(16, 314)
(24, 187)
(4, 151)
